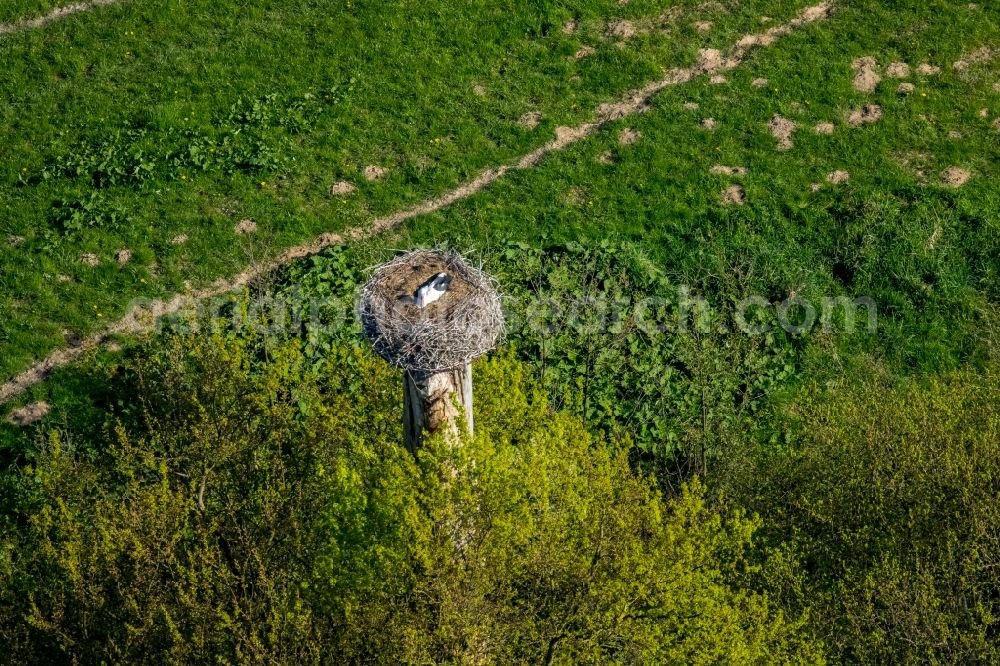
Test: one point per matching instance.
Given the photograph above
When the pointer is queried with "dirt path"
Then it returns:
(54, 15)
(140, 319)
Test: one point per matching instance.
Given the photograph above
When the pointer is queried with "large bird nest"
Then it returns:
(466, 322)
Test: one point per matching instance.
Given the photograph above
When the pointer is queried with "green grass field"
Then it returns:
(114, 147)
(140, 136)
(127, 130)
(134, 124)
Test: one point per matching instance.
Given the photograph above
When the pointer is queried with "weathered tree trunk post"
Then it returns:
(436, 402)
(431, 313)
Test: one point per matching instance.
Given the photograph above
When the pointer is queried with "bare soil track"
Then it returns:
(55, 15)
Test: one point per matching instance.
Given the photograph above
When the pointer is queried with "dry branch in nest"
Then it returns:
(466, 322)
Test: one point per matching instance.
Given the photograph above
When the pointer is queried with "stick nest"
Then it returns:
(466, 322)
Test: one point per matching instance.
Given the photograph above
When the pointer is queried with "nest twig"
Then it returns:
(465, 323)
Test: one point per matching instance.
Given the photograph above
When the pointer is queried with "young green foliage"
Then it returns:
(256, 511)
(887, 497)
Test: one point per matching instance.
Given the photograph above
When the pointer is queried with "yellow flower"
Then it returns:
(263, 183)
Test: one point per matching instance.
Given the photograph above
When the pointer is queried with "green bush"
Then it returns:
(608, 336)
(247, 509)
(887, 497)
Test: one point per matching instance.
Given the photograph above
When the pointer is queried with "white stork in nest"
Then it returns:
(430, 291)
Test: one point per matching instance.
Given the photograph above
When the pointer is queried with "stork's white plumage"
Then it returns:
(430, 291)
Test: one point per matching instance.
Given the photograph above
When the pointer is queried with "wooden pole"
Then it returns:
(434, 401)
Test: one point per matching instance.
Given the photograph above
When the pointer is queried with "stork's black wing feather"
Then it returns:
(442, 281)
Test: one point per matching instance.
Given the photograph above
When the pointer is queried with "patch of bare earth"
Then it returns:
(955, 176)
(702, 26)
(759, 83)
(607, 157)
(89, 259)
(734, 194)
(782, 130)
(866, 75)
(823, 128)
(583, 52)
(837, 177)
(123, 256)
(728, 170)
(760, 39)
(342, 188)
(479, 89)
(373, 172)
(244, 227)
(15, 241)
(869, 113)
(569, 27)
(709, 123)
(179, 239)
(31, 413)
(621, 29)
(717, 79)
(897, 70)
(142, 318)
(905, 88)
(711, 60)
(530, 120)
(628, 136)
(980, 55)
(690, 106)
(927, 69)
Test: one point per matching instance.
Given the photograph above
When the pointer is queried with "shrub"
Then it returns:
(249, 510)
(887, 498)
